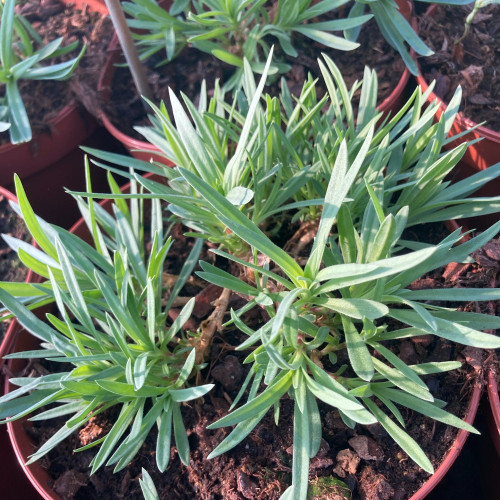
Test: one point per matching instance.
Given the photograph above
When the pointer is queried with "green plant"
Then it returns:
(384, 179)
(237, 29)
(240, 149)
(341, 299)
(478, 4)
(405, 164)
(348, 299)
(113, 331)
(271, 156)
(241, 29)
(20, 60)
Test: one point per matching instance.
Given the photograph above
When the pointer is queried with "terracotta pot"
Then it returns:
(145, 151)
(18, 484)
(141, 150)
(8, 195)
(484, 153)
(52, 161)
(67, 130)
(19, 339)
(94, 5)
(396, 99)
(23, 445)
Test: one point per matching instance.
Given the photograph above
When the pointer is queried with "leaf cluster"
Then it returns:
(361, 178)
(234, 30)
(21, 60)
(272, 156)
(341, 300)
(113, 334)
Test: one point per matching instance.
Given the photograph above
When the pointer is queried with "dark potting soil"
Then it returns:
(474, 66)
(53, 19)
(187, 71)
(11, 268)
(364, 460)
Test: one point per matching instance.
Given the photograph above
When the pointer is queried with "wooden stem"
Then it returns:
(128, 47)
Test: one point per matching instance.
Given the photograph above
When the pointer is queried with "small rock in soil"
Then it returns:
(90, 432)
(454, 270)
(489, 254)
(246, 486)
(69, 483)
(347, 462)
(377, 431)
(205, 299)
(322, 460)
(366, 448)
(228, 373)
(373, 486)
(442, 351)
(422, 340)
(422, 284)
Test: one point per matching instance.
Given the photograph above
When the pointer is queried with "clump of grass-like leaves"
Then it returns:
(112, 336)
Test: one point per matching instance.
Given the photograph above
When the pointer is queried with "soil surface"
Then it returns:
(186, 72)
(363, 460)
(11, 268)
(53, 19)
(473, 64)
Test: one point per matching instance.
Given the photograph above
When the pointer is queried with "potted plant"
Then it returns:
(44, 160)
(230, 32)
(343, 300)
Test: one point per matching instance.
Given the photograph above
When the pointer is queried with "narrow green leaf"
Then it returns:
(407, 443)
(263, 401)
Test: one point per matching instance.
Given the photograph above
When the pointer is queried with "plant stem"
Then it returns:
(212, 324)
(128, 47)
(469, 21)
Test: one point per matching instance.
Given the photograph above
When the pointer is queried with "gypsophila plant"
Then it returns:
(268, 156)
(405, 162)
(21, 60)
(251, 151)
(349, 298)
(341, 300)
(237, 29)
(112, 330)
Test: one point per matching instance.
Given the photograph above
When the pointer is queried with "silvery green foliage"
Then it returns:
(237, 29)
(268, 156)
(364, 180)
(19, 59)
(341, 299)
(112, 330)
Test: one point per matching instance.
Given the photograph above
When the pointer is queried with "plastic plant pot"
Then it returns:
(23, 446)
(52, 161)
(494, 409)
(41, 481)
(143, 150)
(67, 130)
